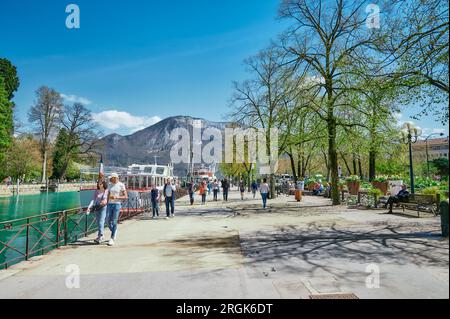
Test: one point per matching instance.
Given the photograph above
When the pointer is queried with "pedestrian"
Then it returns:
(116, 193)
(169, 195)
(156, 198)
(254, 188)
(209, 187)
(225, 187)
(191, 191)
(202, 191)
(215, 189)
(98, 205)
(242, 188)
(264, 190)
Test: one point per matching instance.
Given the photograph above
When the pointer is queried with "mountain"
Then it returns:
(141, 146)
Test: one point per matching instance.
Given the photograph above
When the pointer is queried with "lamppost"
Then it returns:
(410, 135)
(426, 151)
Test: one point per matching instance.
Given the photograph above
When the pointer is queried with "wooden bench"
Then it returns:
(420, 202)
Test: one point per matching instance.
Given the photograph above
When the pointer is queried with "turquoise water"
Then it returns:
(15, 207)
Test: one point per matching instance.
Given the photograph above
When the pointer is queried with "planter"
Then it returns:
(353, 188)
(382, 186)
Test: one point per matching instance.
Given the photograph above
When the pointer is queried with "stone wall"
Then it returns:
(30, 189)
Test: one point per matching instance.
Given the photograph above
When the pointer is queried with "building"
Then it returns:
(437, 148)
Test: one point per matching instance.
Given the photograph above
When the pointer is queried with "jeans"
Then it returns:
(170, 202)
(112, 217)
(101, 216)
(254, 193)
(264, 199)
(155, 208)
(203, 198)
(191, 198)
(225, 194)
(215, 194)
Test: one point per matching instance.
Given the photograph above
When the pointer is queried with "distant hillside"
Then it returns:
(141, 147)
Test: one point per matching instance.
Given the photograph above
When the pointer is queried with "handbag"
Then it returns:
(98, 207)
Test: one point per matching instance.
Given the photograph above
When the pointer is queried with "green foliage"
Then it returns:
(376, 192)
(423, 183)
(441, 166)
(381, 178)
(6, 121)
(390, 168)
(73, 171)
(23, 159)
(9, 73)
(62, 156)
(353, 178)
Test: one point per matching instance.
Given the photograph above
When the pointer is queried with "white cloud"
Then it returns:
(114, 120)
(75, 99)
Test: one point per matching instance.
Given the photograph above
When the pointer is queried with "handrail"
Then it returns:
(55, 229)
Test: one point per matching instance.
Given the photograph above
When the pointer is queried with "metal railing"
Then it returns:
(23, 238)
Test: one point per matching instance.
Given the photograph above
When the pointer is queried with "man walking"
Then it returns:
(225, 187)
(156, 196)
(169, 194)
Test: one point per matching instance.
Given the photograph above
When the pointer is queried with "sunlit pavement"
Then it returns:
(238, 250)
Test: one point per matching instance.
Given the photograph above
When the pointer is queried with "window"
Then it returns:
(160, 170)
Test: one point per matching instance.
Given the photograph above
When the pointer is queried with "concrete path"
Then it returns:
(238, 250)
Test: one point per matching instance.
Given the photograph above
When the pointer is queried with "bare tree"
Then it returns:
(45, 115)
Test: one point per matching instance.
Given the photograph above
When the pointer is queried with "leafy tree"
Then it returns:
(6, 122)
(23, 159)
(441, 165)
(9, 73)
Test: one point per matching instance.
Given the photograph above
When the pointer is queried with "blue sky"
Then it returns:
(138, 61)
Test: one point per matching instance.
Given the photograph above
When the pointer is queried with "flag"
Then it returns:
(101, 170)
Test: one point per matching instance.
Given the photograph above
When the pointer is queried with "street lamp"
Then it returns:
(410, 134)
(426, 150)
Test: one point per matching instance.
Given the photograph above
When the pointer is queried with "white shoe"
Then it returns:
(111, 242)
(167, 217)
(98, 240)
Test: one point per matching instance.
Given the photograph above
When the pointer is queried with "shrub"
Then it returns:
(353, 178)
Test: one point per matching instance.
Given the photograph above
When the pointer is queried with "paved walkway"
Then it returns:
(238, 250)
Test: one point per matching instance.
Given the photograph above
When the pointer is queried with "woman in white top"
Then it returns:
(117, 193)
(264, 190)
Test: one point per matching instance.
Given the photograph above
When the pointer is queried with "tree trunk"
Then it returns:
(372, 159)
(355, 171)
(294, 173)
(332, 161)
(360, 168)
(44, 168)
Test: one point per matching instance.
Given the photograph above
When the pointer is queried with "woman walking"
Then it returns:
(242, 189)
(202, 191)
(117, 193)
(215, 189)
(99, 206)
(264, 190)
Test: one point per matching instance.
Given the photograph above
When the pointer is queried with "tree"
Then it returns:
(325, 37)
(441, 165)
(78, 136)
(23, 158)
(45, 115)
(6, 122)
(416, 44)
(9, 73)
(257, 102)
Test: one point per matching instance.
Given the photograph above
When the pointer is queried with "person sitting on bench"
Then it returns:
(402, 196)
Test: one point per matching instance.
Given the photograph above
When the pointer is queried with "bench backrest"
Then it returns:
(422, 199)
